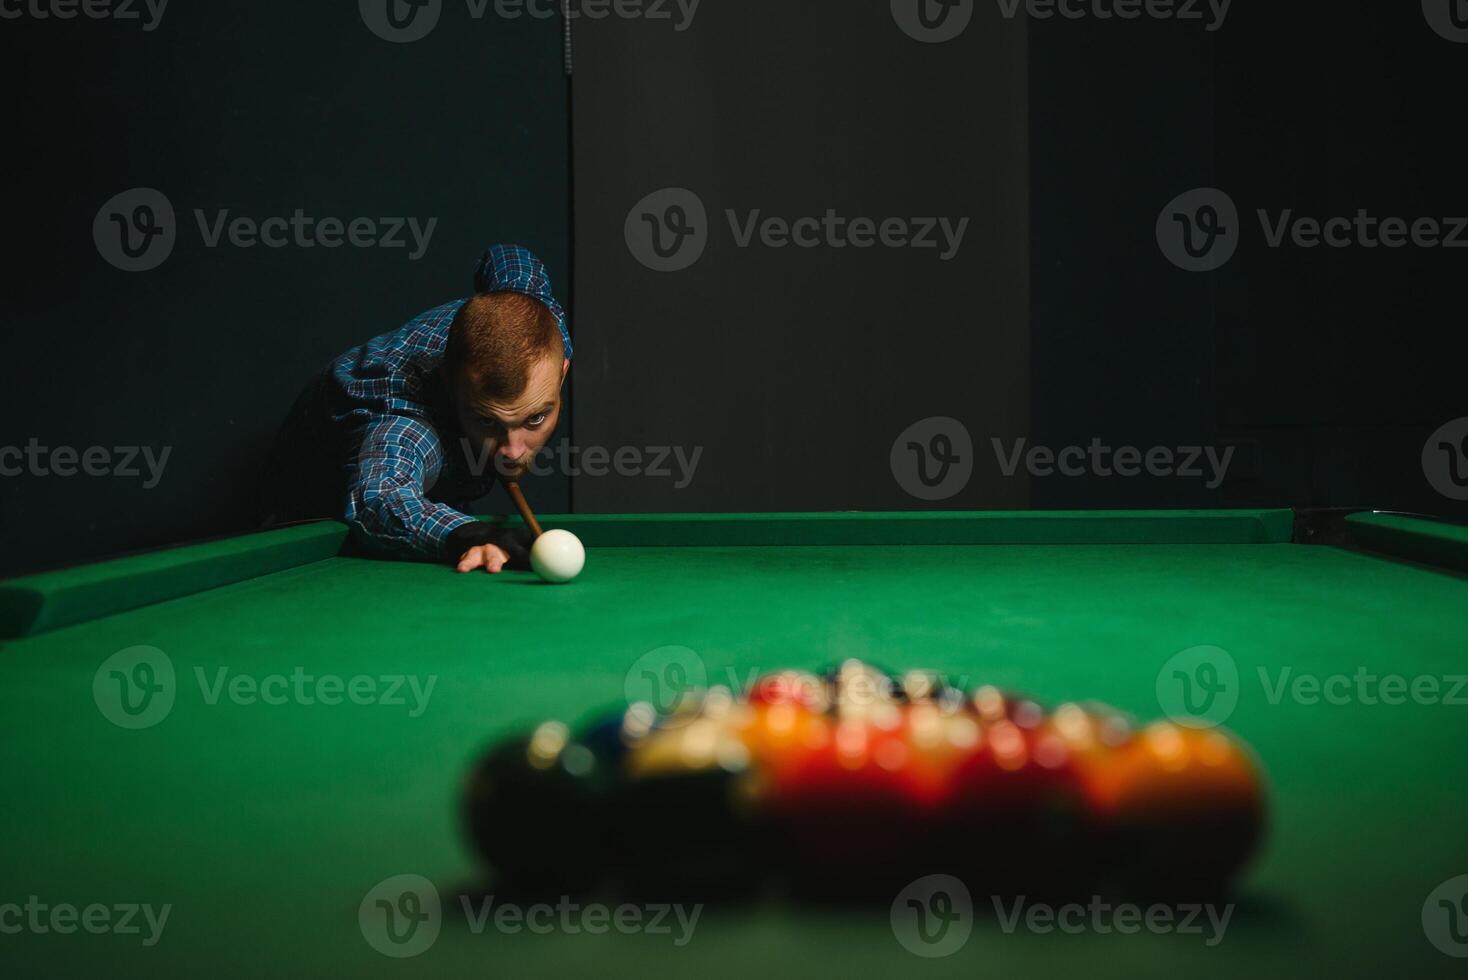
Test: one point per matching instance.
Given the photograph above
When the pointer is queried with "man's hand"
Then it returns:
(491, 548)
(491, 558)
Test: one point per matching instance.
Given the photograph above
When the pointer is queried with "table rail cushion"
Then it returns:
(51, 600)
(1265, 526)
(1412, 538)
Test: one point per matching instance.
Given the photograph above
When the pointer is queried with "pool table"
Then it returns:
(255, 732)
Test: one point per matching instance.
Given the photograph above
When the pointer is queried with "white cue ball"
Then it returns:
(557, 556)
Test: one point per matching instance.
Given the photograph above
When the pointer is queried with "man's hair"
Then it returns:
(495, 338)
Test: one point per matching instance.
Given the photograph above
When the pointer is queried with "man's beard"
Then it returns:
(508, 470)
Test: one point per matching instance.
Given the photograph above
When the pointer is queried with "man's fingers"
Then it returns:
(487, 556)
(494, 559)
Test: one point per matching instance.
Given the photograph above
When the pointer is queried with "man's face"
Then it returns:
(513, 430)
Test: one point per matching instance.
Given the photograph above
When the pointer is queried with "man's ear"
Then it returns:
(565, 367)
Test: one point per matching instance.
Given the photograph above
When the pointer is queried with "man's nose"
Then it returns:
(513, 447)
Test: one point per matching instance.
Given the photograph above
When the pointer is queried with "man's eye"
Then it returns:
(535, 420)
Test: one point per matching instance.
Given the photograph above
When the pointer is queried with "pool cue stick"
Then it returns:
(513, 489)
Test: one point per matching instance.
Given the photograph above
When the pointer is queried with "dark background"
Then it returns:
(794, 370)
(1327, 368)
(259, 108)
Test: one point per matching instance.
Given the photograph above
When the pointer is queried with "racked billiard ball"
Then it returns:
(534, 808)
(850, 803)
(796, 688)
(682, 826)
(1188, 810)
(1017, 814)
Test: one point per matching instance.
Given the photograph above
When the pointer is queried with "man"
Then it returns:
(403, 432)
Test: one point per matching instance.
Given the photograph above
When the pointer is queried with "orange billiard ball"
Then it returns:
(1187, 808)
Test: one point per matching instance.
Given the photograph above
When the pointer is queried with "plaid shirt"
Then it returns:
(411, 464)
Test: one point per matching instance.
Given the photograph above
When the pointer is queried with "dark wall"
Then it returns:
(795, 369)
(1341, 362)
(1323, 372)
(1326, 369)
(1061, 320)
(257, 109)
(1121, 121)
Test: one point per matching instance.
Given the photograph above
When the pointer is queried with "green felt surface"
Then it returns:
(264, 825)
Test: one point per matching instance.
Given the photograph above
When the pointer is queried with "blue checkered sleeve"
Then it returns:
(385, 488)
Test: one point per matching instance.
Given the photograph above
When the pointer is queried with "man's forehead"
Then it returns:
(539, 395)
(513, 410)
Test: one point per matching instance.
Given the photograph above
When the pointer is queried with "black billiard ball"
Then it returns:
(681, 822)
(534, 808)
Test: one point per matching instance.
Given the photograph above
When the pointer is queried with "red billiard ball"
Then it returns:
(1018, 813)
(796, 688)
(838, 803)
